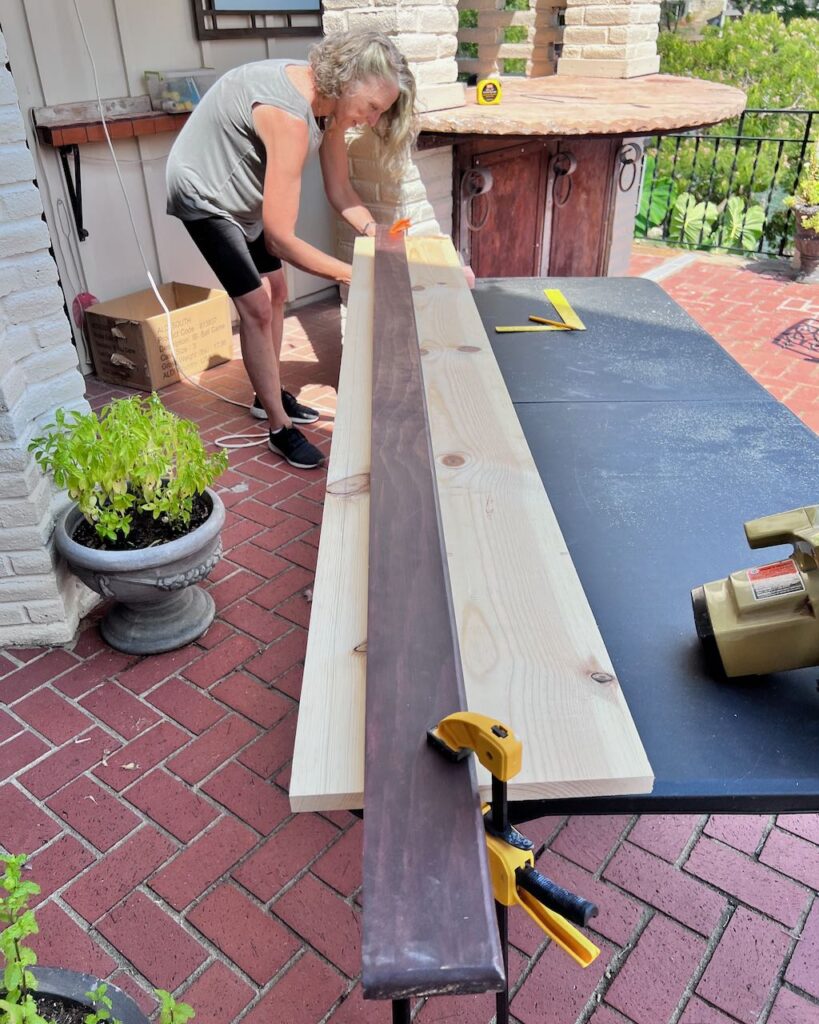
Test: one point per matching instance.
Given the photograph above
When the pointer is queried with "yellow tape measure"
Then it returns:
(489, 91)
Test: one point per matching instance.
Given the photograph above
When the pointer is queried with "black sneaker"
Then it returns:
(297, 412)
(294, 448)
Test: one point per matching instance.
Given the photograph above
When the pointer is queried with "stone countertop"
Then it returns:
(564, 105)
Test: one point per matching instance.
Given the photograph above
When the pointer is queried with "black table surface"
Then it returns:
(655, 447)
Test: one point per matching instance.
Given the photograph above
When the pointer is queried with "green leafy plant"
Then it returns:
(773, 60)
(134, 456)
(656, 198)
(102, 1005)
(171, 1011)
(17, 1004)
(17, 983)
(728, 225)
(807, 190)
(691, 222)
(741, 226)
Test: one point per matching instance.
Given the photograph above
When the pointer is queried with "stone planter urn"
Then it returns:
(65, 986)
(806, 241)
(157, 606)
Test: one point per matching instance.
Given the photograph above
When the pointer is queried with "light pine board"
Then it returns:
(328, 761)
(529, 642)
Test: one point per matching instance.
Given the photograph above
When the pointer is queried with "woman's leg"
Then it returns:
(261, 323)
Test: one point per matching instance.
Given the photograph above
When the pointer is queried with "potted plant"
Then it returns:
(38, 995)
(805, 205)
(145, 525)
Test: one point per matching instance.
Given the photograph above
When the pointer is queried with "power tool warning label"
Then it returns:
(775, 579)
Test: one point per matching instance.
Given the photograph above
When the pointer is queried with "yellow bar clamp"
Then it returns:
(501, 753)
(504, 863)
(494, 744)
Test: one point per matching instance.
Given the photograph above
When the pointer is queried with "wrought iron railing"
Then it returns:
(726, 188)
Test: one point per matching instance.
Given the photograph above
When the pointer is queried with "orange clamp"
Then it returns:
(402, 224)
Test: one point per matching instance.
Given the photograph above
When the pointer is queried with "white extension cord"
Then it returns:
(229, 440)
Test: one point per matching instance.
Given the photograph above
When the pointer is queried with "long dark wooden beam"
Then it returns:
(429, 925)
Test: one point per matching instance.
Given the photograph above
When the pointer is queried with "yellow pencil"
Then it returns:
(554, 323)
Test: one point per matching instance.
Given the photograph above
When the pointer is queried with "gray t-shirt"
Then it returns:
(216, 166)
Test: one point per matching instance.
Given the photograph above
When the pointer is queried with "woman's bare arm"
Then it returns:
(343, 197)
(286, 142)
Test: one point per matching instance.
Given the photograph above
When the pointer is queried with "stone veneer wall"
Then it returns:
(40, 603)
(426, 33)
(599, 38)
(542, 21)
(610, 38)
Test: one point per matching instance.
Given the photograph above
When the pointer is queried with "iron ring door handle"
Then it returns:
(477, 181)
(563, 167)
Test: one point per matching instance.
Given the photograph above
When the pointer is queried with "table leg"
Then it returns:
(400, 1011)
(502, 997)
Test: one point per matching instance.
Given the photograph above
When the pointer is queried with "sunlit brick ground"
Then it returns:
(152, 792)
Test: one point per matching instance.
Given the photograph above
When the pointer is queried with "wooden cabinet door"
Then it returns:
(503, 228)
(579, 204)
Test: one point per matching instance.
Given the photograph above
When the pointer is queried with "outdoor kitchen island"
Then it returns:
(563, 157)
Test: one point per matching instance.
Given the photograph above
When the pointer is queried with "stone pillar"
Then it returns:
(40, 603)
(610, 38)
(426, 33)
(486, 47)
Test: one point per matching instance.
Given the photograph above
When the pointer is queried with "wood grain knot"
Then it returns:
(423, 351)
(602, 677)
(453, 460)
(468, 348)
(358, 484)
(361, 648)
(419, 287)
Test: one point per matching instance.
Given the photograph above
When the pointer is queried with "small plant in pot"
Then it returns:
(56, 995)
(145, 525)
(805, 205)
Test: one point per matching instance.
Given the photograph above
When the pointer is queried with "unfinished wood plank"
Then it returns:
(328, 766)
(532, 653)
(429, 924)
(328, 759)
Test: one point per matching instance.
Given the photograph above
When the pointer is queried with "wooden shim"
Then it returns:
(532, 653)
(328, 764)
(328, 758)
(429, 924)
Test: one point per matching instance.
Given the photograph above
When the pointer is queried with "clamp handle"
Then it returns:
(515, 882)
(493, 743)
(574, 908)
(793, 527)
(582, 950)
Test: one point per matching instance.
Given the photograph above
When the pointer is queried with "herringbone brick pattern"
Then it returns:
(151, 792)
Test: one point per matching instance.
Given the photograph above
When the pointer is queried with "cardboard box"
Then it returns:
(129, 336)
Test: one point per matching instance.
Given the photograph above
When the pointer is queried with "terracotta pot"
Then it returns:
(806, 241)
(64, 984)
(157, 605)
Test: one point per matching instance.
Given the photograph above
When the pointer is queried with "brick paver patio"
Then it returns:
(151, 792)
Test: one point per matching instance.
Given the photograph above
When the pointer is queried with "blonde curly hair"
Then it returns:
(342, 60)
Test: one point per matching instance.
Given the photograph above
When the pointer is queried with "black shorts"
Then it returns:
(236, 262)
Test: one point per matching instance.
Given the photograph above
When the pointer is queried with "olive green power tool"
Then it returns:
(765, 619)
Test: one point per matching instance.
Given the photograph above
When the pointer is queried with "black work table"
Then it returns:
(655, 447)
